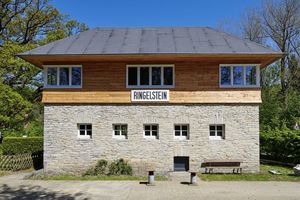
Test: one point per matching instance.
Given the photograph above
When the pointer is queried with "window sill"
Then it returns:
(240, 86)
(216, 138)
(84, 137)
(180, 138)
(119, 138)
(61, 86)
(151, 87)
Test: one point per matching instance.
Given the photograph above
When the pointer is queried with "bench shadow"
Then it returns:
(26, 192)
(143, 182)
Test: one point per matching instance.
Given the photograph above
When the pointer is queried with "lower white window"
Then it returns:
(217, 131)
(181, 131)
(151, 131)
(120, 131)
(84, 131)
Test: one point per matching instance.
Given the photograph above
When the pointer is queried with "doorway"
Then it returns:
(181, 163)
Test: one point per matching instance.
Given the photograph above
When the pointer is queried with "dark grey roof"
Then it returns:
(159, 40)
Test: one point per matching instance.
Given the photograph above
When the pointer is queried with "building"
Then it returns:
(169, 97)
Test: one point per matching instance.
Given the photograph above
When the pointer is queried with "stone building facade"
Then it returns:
(164, 98)
(65, 152)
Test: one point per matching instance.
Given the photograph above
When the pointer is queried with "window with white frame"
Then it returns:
(151, 131)
(63, 76)
(181, 131)
(150, 76)
(84, 131)
(120, 131)
(239, 75)
(217, 131)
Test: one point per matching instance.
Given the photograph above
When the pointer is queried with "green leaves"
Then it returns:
(13, 108)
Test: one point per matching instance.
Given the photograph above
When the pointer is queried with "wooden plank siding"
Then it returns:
(195, 82)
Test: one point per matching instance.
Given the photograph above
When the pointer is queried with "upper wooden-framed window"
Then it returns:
(150, 76)
(63, 76)
(239, 75)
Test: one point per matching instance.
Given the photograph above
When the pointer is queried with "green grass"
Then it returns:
(97, 178)
(264, 175)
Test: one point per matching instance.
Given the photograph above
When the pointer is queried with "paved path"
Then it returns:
(12, 187)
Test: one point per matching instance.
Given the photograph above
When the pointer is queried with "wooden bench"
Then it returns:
(210, 165)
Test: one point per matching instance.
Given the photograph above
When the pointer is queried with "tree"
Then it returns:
(281, 21)
(13, 108)
(252, 28)
(24, 25)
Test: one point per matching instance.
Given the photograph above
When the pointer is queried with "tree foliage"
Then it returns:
(24, 25)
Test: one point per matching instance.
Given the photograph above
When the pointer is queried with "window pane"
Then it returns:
(124, 133)
(144, 76)
(184, 127)
(89, 126)
(212, 128)
(154, 133)
(212, 133)
(147, 127)
(117, 132)
(156, 76)
(251, 75)
(177, 127)
(147, 133)
(225, 76)
(89, 132)
(219, 133)
(124, 127)
(219, 128)
(64, 76)
(154, 127)
(177, 133)
(238, 76)
(168, 76)
(82, 127)
(52, 76)
(82, 132)
(184, 133)
(76, 76)
(132, 76)
(117, 127)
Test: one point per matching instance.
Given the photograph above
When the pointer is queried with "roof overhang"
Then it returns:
(262, 59)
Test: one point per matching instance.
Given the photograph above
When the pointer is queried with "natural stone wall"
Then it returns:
(65, 152)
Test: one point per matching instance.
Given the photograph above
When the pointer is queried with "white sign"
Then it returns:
(150, 95)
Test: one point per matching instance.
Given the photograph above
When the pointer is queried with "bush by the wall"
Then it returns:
(117, 167)
(281, 144)
(98, 170)
(120, 167)
(19, 145)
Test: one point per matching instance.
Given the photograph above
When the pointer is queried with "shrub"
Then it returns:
(99, 169)
(117, 167)
(281, 144)
(19, 145)
(120, 167)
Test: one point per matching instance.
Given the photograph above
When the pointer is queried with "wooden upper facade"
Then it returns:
(196, 76)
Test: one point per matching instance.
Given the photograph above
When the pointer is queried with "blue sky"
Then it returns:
(137, 13)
